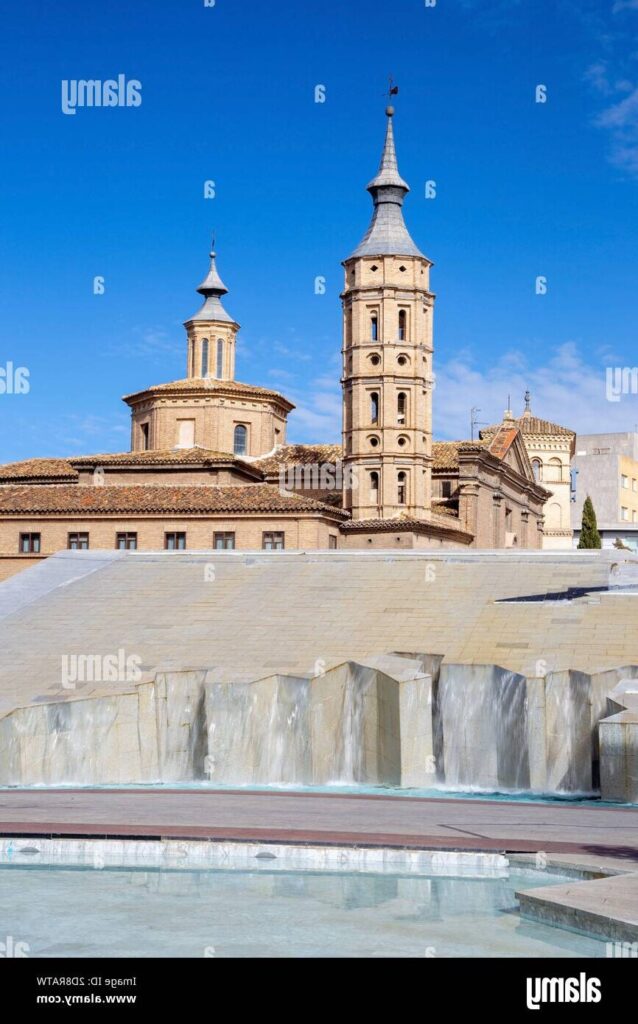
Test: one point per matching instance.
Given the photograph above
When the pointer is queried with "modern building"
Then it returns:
(606, 469)
(550, 448)
(209, 466)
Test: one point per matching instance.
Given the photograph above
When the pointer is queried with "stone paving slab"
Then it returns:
(606, 907)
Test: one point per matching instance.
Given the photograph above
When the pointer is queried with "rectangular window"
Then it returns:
(272, 541)
(30, 543)
(126, 542)
(145, 441)
(175, 541)
(78, 542)
(224, 541)
(624, 513)
(634, 485)
(624, 480)
(332, 541)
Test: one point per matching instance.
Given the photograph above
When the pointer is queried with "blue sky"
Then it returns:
(523, 190)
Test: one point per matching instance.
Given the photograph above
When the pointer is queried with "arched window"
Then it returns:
(374, 328)
(402, 402)
(205, 357)
(374, 407)
(403, 324)
(538, 470)
(402, 488)
(374, 488)
(219, 370)
(240, 439)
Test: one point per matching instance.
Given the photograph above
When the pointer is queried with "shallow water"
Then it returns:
(114, 912)
(434, 793)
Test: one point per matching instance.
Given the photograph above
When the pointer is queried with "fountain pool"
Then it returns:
(269, 910)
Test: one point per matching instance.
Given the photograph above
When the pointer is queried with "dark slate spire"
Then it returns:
(212, 288)
(387, 234)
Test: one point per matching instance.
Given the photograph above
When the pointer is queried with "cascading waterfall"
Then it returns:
(388, 721)
(483, 720)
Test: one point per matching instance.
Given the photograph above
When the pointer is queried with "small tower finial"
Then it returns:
(528, 401)
(212, 246)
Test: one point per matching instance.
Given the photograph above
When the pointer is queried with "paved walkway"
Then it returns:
(323, 818)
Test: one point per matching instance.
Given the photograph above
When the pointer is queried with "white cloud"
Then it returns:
(284, 375)
(149, 343)
(598, 76)
(291, 353)
(83, 433)
(621, 120)
(566, 390)
(317, 416)
(624, 5)
(622, 115)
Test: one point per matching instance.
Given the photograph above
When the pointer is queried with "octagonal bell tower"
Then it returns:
(387, 359)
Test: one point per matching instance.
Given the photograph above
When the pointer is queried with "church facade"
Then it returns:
(210, 468)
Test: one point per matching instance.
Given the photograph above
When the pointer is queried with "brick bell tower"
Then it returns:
(387, 360)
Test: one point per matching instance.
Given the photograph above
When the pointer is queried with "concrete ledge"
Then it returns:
(605, 907)
(193, 855)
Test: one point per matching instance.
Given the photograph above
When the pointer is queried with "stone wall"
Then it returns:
(403, 720)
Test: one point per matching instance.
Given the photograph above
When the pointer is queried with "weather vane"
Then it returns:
(212, 242)
(392, 88)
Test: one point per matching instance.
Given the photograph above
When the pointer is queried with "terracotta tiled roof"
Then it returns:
(138, 499)
(37, 469)
(179, 456)
(401, 524)
(445, 454)
(211, 385)
(502, 441)
(299, 455)
(528, 424)
(65, 470)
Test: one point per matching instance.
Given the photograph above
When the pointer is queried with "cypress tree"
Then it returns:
(589, 535)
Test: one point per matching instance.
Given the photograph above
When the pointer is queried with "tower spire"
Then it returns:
(388, 174)
(212, 288)
(211, 332)
(387, 234)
